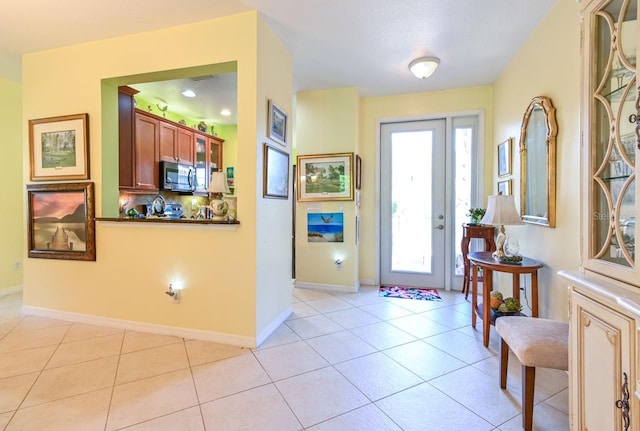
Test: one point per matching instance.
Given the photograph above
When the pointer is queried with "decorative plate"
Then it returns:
(158, 205)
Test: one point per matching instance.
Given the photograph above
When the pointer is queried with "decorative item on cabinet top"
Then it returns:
(59, 148)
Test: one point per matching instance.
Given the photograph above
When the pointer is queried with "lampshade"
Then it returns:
(424, 67)
(501, 210)
(218, 183)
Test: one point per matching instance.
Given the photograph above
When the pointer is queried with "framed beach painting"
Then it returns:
(59, 148)
(325, 177)
(61, 221)
(325, 227)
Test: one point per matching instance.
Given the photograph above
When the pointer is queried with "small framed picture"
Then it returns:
(504, 187)
(504, 158)
(358, 172)
(61, 221)
(59, 148)
(277, 124)
(325, 177)
(275, 166)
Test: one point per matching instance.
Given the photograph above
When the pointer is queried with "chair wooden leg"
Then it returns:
(504, 364)
(528, 385)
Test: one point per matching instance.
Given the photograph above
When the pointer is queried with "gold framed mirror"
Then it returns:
(538, 163)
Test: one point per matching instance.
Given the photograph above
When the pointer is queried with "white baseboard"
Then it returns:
(368, 282)
(193, 334)
(9, 290)
(273, 326)
(329, 287)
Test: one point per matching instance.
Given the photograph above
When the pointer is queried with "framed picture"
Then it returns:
(275, 169)
(59, 148)
(358, 172)
(504, 158)
(325, 177)
(277, 124)
(504, 187)
(325, 227)
(61, 221)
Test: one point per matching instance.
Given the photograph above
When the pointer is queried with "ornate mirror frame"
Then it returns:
(538, 149)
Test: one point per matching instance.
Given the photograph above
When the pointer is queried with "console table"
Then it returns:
(485, 260)
(470, 231)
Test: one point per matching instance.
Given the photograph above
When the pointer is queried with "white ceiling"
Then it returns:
(334, 43)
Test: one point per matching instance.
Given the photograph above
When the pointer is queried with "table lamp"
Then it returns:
(501, 210)
(218, 186)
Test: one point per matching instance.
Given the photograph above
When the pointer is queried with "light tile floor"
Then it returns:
(340, 362)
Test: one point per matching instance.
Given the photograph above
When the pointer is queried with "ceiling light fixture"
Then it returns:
(189, 93)
(225, 112)
(424, 67)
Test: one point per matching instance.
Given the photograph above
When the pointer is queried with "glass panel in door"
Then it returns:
(412, 203)
(614, 100)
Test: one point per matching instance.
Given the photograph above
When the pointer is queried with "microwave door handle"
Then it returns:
(191, 179)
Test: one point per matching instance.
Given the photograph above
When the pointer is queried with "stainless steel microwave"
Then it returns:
(177, 177)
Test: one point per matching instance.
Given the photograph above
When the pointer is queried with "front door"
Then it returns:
(412, 203)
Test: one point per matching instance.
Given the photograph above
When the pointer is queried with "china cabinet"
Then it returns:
(604, 295)
(208, 159)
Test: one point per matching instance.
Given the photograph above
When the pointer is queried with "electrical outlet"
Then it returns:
(17, 265)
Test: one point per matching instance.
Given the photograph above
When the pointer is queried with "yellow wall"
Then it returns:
(327, 123)
(547, 65)
(407, 106)
(136, 263)
(273, 216)
(11, 220)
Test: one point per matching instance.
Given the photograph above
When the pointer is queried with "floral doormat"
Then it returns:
(409, 293)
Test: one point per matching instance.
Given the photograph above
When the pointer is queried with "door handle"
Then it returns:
(440, 226)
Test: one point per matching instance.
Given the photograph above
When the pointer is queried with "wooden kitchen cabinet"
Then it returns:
(176, 144)
(145, 139)
(126, 134)
(146, 152)
(208, 159)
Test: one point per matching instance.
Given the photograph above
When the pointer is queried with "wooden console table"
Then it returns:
(485, 260)
(470, 231)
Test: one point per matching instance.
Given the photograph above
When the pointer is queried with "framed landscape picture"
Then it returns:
(59, 148)
(275, 167)
(61, 221)
(277, 124)
(325, 177)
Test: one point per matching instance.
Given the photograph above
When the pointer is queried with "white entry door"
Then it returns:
(412, 203)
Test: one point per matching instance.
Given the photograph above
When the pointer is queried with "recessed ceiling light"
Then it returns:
(189, 93)
(225, 112)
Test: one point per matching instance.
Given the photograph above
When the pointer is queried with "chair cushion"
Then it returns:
(536, 342)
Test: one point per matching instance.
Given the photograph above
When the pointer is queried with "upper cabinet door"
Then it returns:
(610, 139)
(168, 142)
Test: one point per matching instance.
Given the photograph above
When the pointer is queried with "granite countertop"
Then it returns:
(166, 220)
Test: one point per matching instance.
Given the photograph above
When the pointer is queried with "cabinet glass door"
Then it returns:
(613, 90)
(201, 163)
